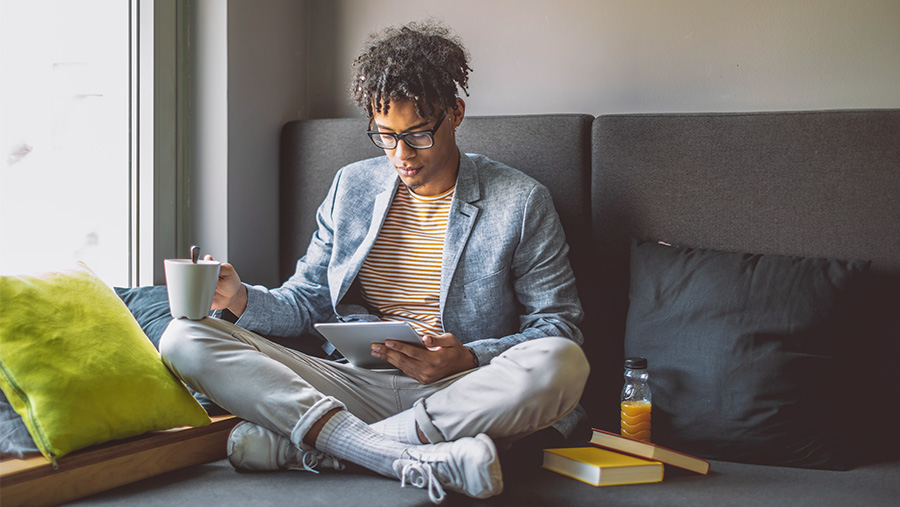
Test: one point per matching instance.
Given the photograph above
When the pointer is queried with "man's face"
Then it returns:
(429, 171)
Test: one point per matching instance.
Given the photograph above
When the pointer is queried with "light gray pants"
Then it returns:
(523, 390)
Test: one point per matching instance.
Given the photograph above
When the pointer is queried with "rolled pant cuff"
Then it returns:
(426, 426)
(315, 412)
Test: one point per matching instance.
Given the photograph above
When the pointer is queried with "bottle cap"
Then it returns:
(639, 363)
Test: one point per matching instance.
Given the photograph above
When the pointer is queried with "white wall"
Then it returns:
(290, 59)
(248, 65)
(266, 89)
(612, 56)
(207, 178)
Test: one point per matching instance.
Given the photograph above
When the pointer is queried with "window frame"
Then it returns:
(159, 135)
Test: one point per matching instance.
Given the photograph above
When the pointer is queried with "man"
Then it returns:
(467, 250)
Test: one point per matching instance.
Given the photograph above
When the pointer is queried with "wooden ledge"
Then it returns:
(33, 481)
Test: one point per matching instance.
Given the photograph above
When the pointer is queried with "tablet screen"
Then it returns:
(354, 339)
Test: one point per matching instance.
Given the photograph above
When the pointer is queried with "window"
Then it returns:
(65, 175)
(79, 99)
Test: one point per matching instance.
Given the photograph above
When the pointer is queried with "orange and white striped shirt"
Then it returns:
(401, 277)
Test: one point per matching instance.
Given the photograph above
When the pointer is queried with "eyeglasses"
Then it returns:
(415, 140)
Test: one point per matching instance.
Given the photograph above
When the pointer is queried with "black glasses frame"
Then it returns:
(374, 135)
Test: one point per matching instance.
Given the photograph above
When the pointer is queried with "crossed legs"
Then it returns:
(523, 390)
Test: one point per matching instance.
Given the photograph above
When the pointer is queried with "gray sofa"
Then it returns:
(806, 184)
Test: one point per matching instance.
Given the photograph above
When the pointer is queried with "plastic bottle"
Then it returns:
(636, 402)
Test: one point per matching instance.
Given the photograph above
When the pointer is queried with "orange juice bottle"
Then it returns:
(636, 402)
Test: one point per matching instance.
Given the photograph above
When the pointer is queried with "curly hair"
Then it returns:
(421, 62)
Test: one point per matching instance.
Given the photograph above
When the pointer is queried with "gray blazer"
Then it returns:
(505, 273)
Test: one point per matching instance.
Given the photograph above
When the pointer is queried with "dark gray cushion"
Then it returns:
(741, 351)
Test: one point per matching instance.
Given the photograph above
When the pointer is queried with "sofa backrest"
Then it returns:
(807, 183)
(824, 184)
(312, 151)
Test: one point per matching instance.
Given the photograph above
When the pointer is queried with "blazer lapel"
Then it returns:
(463, 215)
(379, 213)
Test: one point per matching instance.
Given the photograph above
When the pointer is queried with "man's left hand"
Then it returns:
(444, 356)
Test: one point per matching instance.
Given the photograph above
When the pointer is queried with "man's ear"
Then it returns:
(458, 112)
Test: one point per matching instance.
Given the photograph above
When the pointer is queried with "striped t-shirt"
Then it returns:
(401, 277)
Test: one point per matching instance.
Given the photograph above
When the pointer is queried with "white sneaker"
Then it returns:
(468, 465)
(254, 448)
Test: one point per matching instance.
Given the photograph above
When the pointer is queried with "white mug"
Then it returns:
(191, 287)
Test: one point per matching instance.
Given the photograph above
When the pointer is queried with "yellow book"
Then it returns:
(600, 467)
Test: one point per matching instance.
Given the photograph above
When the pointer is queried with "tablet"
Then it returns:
(354, 339)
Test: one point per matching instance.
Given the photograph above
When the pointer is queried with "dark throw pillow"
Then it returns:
(15, 441)
(150, 307)
(741, 351)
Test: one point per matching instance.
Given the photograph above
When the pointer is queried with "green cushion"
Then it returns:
(77, 367)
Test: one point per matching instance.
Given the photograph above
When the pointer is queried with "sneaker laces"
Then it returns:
(420, 475)
(309, 461)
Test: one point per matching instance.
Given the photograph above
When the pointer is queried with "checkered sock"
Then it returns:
(400, 427)
(346, 437)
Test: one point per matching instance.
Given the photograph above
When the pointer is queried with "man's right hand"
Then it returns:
(230, 292)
